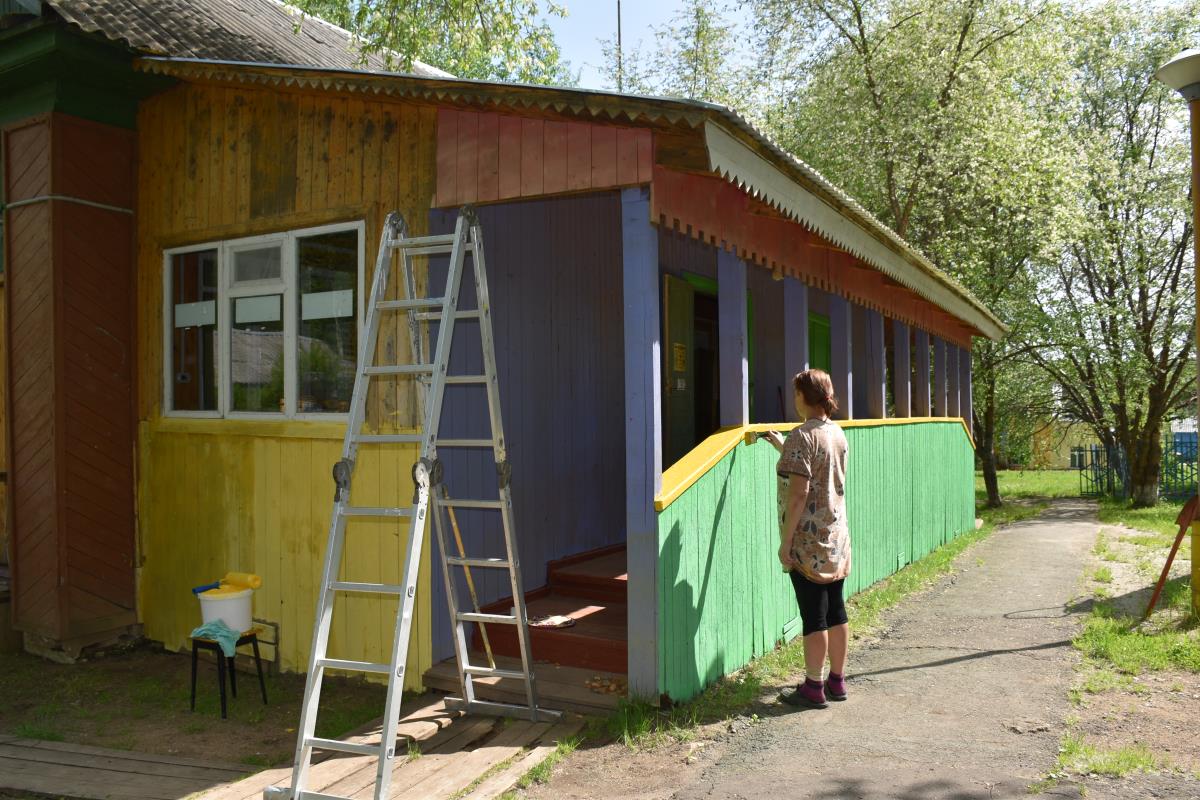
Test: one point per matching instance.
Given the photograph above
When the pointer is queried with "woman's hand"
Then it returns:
(785, 556)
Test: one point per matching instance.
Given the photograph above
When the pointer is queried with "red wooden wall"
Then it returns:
(484, 157)
(70, 340)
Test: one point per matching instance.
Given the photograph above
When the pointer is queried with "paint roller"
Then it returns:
(237, 580)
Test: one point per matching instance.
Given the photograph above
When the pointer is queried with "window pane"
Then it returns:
(327, 345)
(256, 353)
(257, 265)
(194, 331)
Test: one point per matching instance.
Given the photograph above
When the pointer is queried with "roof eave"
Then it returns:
(954, 298)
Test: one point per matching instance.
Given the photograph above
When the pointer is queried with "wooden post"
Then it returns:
(795, 339)
(921, 405)
(840, 358)
(965, 390)
(876, 369)
(901, 369)
(953, 406)
(643, 435)
(939, 377)
(734, 367)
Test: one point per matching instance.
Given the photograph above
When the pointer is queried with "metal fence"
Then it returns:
(1105, 471)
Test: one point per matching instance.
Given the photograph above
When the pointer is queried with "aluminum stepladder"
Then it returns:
(432, 378)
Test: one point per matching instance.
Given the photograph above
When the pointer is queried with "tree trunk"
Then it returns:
(1145, 463)
(985, 437)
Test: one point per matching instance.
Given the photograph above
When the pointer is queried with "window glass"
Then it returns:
(193, 313)
(327, 339)
(262, 264)
(256, 353)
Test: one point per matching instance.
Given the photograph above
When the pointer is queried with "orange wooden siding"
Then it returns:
(717, 212)
(485, 157)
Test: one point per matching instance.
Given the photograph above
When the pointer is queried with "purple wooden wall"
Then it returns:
(554, 274)
(767, 373)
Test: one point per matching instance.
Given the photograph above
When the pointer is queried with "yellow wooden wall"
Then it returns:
(222, 162)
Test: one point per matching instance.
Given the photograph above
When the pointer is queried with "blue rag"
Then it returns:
(221, 633)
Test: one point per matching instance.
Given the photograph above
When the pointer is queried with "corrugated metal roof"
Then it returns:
(225, 30)
(599, 105)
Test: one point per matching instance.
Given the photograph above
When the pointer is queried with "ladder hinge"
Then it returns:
(427, 472)
(342, 470)
(504, 473)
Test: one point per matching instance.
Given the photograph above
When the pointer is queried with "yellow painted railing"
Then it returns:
(686, 471)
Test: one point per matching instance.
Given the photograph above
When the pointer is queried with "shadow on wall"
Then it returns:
(689, 602)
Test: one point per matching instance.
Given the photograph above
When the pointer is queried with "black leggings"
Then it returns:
(821, 605)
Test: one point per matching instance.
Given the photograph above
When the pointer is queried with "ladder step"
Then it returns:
(502, 709)
(356, 666)
(400, 369)
(494, 504)
(488, 619)
(317, 796)
(466, 379)
(499, 563)
(401, 305)
(368, 511)
(492, 672)
(357, 748)
(369, 588)
(433, 249)
(422, 241)
(388, 438)
(426, 316)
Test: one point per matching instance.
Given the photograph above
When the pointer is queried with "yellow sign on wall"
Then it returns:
(680, 352)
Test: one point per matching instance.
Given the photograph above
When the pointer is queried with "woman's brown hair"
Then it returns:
(817, 389)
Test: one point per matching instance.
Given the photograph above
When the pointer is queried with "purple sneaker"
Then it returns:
(835, 687)
(810, 694)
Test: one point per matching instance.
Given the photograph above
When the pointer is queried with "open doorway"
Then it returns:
(691, 364)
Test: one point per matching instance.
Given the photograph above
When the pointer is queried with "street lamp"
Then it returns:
(1182, 73)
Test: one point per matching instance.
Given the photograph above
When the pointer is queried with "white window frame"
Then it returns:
(287, 286)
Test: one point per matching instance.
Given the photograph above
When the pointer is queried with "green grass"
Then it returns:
(34, 730)
(1103, 575)
(1114, 640)
(1158, 519)
(1077, 756)
(1030, 484)
(541, 772)
(1103, 679)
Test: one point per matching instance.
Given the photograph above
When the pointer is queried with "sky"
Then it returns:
(589, 21)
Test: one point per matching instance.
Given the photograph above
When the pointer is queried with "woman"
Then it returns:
(814, 544)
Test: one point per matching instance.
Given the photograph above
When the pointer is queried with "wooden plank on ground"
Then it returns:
(420, 723)
(500, 782)
(346, 775)
(463, 769)
(114, 763)
(412, 771)
(94, 784)
(156, 758)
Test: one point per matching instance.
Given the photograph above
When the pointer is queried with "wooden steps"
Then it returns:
(590, 588)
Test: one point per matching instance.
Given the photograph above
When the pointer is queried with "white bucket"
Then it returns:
(232, 608)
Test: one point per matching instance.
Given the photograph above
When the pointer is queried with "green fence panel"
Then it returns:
(723, 598)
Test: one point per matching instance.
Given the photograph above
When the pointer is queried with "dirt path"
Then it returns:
(963, 697)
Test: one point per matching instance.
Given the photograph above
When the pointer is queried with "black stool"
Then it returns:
(198, 644)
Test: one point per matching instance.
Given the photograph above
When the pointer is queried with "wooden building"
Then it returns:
(186, 282)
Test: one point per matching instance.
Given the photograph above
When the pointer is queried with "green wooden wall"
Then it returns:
(722, 596)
